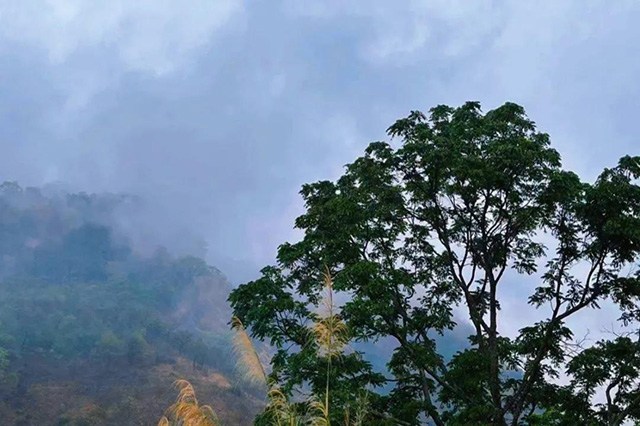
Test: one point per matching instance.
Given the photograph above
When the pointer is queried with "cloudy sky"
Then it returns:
(217, 111)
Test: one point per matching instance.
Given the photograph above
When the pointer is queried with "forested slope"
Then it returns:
(94, 333)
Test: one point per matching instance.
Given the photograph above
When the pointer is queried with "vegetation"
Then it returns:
(468, 204)
(415, 243)
(187, 411)
(330, 334)
(92, 333)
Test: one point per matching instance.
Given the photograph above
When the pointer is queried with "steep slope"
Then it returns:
(93, 333)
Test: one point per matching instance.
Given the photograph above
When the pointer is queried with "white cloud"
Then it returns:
(146, 35)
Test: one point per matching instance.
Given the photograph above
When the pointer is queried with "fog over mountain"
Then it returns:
(214, 114)
(149, 143)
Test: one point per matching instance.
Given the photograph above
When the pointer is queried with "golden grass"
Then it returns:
(249, 360)
(330, 335)
(283, 413)
(186, 411)
(319, 412)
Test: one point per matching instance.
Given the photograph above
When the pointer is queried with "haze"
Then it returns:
(215, 113)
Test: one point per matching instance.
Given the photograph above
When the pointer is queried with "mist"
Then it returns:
(213, 116)
(153, 153)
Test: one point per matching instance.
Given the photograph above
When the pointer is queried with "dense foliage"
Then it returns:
(87, 321)
(467, 204)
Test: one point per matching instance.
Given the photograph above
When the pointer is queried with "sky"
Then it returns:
(216, 112)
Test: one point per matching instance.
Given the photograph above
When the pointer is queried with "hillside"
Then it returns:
(94, 333)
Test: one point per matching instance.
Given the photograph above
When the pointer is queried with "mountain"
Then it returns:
(92, 332)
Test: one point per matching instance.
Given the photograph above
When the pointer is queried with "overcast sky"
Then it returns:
(216, 112)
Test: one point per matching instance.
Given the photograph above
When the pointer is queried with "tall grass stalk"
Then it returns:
(282, 411)
(248, 358)
(331, 336)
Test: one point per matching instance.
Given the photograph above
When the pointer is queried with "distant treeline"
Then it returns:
(74, 290)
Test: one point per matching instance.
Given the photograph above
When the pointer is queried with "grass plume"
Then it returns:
(282, 411)
(186, 411)
(331, 335)
(284, 414)
(249, 360)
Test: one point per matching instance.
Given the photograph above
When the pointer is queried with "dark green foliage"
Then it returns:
(458, 210)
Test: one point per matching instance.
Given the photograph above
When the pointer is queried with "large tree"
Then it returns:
(466, 204)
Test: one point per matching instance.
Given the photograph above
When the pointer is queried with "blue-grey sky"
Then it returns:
(217, 111)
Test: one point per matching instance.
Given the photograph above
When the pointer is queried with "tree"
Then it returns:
(460, 209)
(182, 339)
(137, 348)
(110, 346)
(199, 352)
(4, 363)
(87, 250)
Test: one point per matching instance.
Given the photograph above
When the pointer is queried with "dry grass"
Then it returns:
(283, 413)
(331, 337)
(318, 413)
(249, 360)
(331, 333)
(187, 411)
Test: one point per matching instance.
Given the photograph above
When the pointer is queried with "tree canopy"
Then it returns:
(92, 331)
(467, 202)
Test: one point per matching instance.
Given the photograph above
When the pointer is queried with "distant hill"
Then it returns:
(93, 330)
(94, 333)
